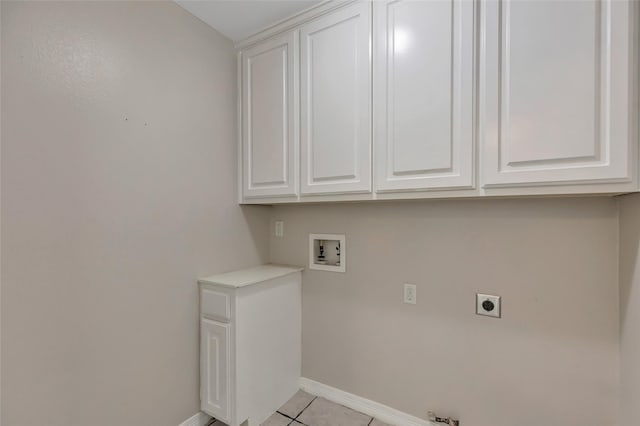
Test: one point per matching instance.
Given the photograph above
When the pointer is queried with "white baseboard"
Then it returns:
(366, 406)
(200, 419)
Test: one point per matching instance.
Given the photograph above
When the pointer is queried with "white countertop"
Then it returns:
(245, 277)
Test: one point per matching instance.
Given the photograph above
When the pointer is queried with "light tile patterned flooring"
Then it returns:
(304, 409)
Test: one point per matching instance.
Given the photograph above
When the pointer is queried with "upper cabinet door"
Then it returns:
(423, 94)
(556, 92)
(269, 121)
(336, 102)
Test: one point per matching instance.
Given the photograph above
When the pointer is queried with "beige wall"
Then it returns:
(118, 164)
(551, 359)
(118, 171)
(630, 308)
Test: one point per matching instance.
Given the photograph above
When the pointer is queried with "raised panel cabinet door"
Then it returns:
(423, 94)
(336, 102)
(214, 368)
(556, 92)
(269, 119)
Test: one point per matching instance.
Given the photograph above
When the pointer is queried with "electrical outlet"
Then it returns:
(410, 294)
(279, 231)
(488, 305)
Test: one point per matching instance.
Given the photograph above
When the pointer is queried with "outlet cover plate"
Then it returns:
(279, 231)
(488, 305)
(410, 294)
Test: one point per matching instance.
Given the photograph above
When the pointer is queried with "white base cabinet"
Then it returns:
(250, 342)
(214, 367)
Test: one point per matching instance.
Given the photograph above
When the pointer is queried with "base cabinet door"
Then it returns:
(423, 94)
(555, 92)
(335, 102)
(214, 369)
(269, 118)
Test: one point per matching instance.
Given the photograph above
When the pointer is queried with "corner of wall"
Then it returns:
(629, 288)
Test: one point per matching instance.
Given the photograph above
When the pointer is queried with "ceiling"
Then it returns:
(238, 19)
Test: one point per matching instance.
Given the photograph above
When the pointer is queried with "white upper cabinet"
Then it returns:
(556, 92)
(400, 99)
(423, 94)
(269, 118)
(336, 102)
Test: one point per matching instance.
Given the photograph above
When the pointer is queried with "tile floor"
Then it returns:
(304, 409)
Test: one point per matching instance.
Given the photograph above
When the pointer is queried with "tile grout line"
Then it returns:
(295, 419)
(285, 415)
(307, 406)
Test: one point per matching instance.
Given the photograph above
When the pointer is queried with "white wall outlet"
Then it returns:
(488, 305)
(410, 294)
(279, 229)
